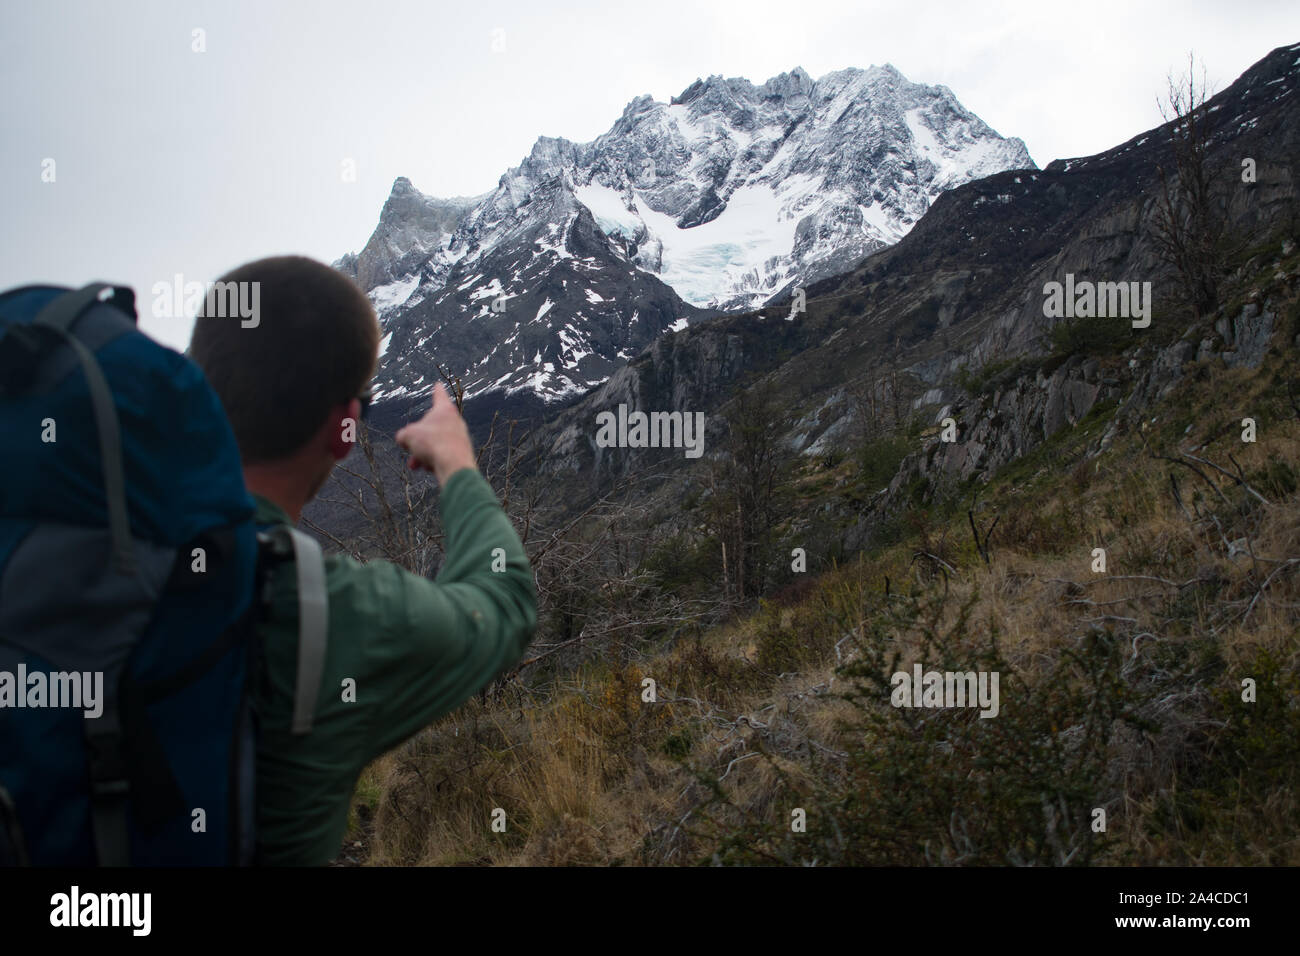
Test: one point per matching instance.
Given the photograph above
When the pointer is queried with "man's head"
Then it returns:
(290, 379)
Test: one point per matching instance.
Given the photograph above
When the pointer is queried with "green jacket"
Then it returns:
(415, 649)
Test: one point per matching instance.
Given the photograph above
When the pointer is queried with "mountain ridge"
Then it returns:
(962, 291)
(719, 199)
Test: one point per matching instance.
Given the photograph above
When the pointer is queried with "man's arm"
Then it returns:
(455, 634)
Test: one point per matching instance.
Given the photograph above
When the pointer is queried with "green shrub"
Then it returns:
(988, 378)
(779, 646)
(879, 459)
(682, 561)
(1093, 337)
(1276, 479)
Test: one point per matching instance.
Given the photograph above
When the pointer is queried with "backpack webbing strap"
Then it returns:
(60, 315)
(64, 311)
(313, 622)
(108, 789)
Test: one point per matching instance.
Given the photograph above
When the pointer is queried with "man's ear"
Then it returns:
(343, 429)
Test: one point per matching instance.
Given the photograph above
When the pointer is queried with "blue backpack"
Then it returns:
(131, 583)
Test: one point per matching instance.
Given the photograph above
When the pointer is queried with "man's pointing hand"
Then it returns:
(440, 440)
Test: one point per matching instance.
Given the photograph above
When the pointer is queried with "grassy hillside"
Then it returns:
(1120, 691)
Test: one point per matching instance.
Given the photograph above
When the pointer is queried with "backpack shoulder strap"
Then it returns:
(60, 316)
(313, 618)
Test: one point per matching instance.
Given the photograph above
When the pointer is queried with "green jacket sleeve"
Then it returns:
(448, 638)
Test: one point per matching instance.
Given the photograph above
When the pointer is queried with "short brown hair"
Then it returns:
(312, 346)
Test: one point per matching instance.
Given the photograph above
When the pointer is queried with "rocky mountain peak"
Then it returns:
(729, 194)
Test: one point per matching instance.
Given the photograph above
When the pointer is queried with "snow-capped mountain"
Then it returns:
(719, 199)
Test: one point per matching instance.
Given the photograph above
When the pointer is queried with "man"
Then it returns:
(415, 649)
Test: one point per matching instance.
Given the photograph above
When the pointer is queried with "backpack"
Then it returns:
(132, 578)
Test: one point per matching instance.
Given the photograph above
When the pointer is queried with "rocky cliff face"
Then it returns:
(412, 229)
(1007, 422)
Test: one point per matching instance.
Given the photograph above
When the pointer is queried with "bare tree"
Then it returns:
(746, 485)
(876, 403)
(1191, 206)
(594, 598)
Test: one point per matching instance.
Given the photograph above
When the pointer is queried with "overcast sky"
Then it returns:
(168, 160)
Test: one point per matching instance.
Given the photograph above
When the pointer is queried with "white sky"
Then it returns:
(170, 161)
